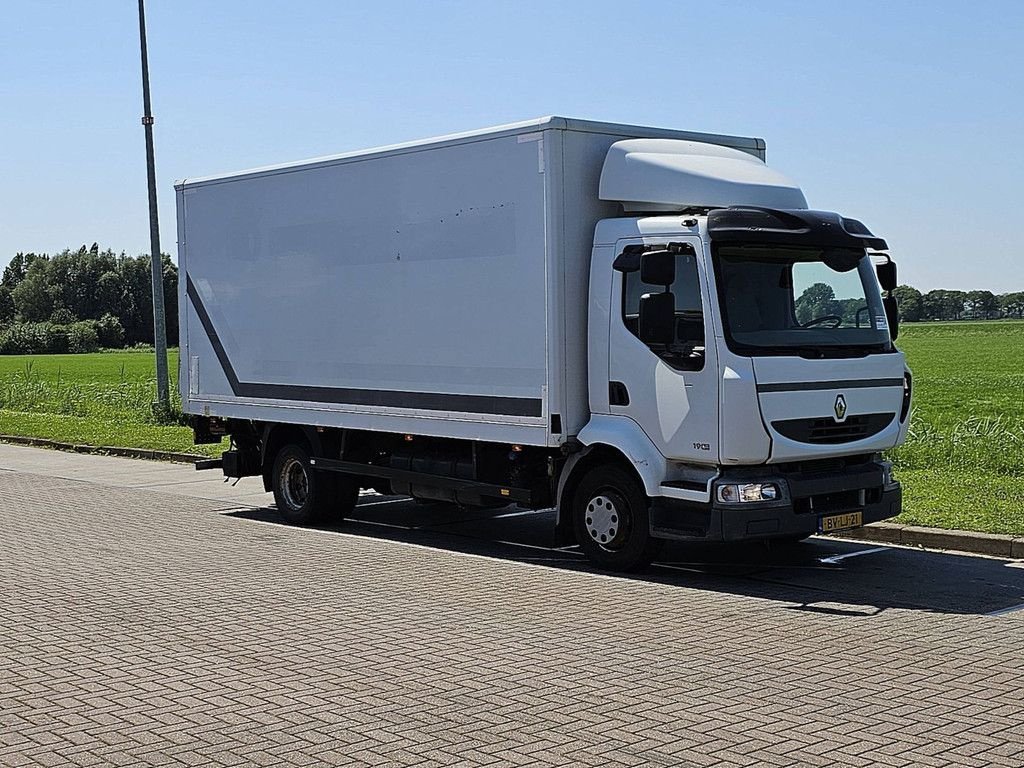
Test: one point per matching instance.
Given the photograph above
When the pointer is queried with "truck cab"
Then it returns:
(741, 355)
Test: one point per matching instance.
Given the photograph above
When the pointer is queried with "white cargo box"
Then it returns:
(435, 288)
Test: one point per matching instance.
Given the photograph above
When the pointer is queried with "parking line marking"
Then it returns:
(376, 503)
(1011, 609)
(360, 521)
(838, 558)
(518, 514)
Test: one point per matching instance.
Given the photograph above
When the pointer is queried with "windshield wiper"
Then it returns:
(816, 352)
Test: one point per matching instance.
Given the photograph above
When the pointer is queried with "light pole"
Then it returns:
(163, 403)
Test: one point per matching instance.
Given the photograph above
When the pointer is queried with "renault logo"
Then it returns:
(840, 408)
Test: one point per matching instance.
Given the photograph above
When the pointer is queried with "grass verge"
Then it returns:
(81, 430)
(961, 500)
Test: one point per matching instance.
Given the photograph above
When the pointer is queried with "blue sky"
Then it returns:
(906, 115)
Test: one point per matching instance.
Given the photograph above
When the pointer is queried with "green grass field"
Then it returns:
(96, 399)
(963, 464)
(962, 467)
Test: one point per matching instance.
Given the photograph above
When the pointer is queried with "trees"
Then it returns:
(910, 302)
(75, 278)
(111, 292)
(16, 270)
(1011, 304)
(7, 307)
(980, 305)
(943, 305)
(31, 293)
(110, 332)
(817, 300)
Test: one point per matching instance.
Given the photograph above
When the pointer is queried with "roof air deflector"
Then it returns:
(673, 174)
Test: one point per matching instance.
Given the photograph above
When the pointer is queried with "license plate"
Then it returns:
(840, 522)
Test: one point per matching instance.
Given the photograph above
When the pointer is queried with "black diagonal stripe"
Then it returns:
(804, 386)
(211, 332)
(427, 401)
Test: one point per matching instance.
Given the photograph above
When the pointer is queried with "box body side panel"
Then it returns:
(399, 289)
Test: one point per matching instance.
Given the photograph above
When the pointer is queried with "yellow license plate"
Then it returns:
(841, 522)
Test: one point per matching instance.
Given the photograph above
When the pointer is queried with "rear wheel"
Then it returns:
(305, 496)
(611, 521)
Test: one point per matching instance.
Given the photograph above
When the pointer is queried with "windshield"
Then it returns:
(791, 300)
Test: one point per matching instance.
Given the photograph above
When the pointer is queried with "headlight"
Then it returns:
(747, 492)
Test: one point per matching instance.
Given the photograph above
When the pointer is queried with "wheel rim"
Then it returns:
(294, 483)
(606, 520)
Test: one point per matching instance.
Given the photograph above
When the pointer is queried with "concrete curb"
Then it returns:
(994, 544)
(104, 450)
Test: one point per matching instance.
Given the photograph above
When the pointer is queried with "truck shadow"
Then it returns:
(822, 575)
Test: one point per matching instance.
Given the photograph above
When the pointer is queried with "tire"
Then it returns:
(305, 496)
(611, 520)
(346, 495)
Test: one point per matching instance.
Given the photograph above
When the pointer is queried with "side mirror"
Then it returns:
(886, 272)
(657, 321)
(892, 314)
(658, 268)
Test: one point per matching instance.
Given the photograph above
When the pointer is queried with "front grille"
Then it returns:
(839, 501)
(826, 503)
(827, 431)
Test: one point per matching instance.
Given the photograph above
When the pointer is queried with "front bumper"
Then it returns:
(806, 498)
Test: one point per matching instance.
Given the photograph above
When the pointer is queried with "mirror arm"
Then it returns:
(888, 266)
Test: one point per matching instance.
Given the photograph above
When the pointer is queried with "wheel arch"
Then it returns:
(624, 436)
(582, 462)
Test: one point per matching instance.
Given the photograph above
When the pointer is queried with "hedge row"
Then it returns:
(54, 338)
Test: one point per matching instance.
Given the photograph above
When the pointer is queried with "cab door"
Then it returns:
(670, 389)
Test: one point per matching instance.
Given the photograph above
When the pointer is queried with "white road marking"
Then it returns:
(518, 514)
(1011, 609)
(375, 503)
(694, 569)
(379, 524)
(1016, 564)
(526, 546)
(704, 567)
(838, 558)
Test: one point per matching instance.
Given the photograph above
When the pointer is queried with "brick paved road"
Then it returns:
(140, 627)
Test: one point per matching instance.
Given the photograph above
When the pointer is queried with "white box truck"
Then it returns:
(646, 329)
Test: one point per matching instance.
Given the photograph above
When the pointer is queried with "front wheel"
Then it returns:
(611, 520)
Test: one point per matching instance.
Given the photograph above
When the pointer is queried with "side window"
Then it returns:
(687, 351)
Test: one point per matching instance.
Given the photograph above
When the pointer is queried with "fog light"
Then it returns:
(748, 492)
(728, 493)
